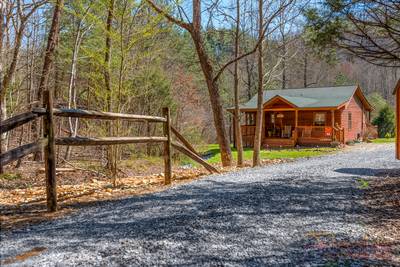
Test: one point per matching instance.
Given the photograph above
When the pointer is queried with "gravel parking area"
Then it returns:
(297, 213)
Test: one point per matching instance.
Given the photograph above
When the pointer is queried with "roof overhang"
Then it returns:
(358, 92)
(363, 99)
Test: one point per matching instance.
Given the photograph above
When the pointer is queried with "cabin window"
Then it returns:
(251, 118)
(272, 118)
(350, 121)
(320, 119)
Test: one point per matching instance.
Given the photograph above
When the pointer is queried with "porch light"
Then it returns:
(280, 116)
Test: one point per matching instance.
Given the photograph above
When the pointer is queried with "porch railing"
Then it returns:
(321, 132)
(315, 132)
(248, 132)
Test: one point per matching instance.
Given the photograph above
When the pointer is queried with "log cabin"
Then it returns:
(396, 92)
(307, 117)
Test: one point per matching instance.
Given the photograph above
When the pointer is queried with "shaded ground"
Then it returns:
(307, 212)
(382, 199)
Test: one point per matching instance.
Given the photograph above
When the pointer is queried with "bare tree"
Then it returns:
(112, 150)
(72, 93)
(211, 75)
(52, 42)
(20, 12)
(238, 130)
(260, 90)
(368, 29)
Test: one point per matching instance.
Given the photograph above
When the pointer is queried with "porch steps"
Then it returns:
(304, 141)
(278, 143)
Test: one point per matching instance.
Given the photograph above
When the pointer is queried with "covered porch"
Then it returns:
(291, 127)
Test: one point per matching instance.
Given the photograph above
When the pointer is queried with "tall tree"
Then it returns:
(81, 30)
(238, 130)
(112, 150)
(211, 74)
(260, 88)
(52, 41)
(23, 11)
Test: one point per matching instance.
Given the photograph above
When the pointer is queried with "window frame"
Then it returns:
(317, 123)
(250, 119)
(349, 121)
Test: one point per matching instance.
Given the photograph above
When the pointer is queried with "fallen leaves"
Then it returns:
(382, 200)
(23, 201)
(25, 205)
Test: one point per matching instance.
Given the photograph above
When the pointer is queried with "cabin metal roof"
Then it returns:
(317, 97)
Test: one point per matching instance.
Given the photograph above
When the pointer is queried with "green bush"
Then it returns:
(385, 122)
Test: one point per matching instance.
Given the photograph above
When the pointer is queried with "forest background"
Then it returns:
(124, 56)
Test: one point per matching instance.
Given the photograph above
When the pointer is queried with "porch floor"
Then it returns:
(291, 142)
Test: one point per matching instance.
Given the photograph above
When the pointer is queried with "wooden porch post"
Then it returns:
(296, 124)
(333, 124)
(263, 127)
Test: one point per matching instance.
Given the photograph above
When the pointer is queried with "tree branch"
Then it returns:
(180, 23)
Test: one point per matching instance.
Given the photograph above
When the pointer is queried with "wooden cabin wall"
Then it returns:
(355, 107)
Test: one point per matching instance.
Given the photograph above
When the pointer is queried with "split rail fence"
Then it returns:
(48, 141)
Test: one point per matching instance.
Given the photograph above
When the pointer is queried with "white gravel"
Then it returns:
(256, 217)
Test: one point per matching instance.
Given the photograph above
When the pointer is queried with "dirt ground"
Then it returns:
(382, 200)
(23, 197)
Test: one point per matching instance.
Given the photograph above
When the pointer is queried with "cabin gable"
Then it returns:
(278, 103)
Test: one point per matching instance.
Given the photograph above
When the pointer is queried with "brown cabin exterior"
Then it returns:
(396, 92)
(286, 124)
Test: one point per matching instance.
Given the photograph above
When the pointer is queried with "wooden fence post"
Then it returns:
(167, 147)
(49, 152)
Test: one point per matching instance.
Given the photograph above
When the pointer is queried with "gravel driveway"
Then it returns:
(285, 214)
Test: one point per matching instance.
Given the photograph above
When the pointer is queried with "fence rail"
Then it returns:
(49, 141)
(91, 114)
(18, 120)
(102, 141)
(22, 151)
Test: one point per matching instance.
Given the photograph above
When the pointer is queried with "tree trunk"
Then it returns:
(49, 57)
(8, 77)
(259, 117)
(73, 123)
(112, 150)
(212, 86)
(237, 129)
(284, 64)
(249, 73)
(305, 68)
(2, 30)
